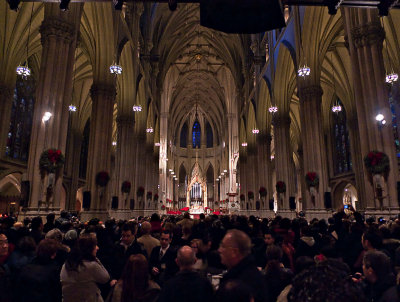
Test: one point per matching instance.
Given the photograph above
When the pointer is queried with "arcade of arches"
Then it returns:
(204, 137)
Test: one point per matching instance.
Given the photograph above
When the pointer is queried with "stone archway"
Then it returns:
(345, 193)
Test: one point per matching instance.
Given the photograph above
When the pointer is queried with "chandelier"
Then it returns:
(255, 131)
(157, 144)
(149, 130)
(23, 71)
(336, 108)
(304, 71)
(137, 108)
(273, 109)
(116, 69)
(244, 144)
(72, 108)
(392, 77)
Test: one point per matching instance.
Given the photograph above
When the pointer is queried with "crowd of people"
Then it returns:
(213, 258)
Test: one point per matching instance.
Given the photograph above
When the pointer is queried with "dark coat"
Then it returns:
(166, 265)
(121, 256)
(187, 286)
(39, 282)
(247, 273)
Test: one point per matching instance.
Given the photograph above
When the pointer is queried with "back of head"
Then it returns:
(50, 217)
(234, 291)
(47, 249)
(186, 257)
(373, 237)
(135, 278)
(241, 241)
(26, 244)
(36, 222)
(324, 283)
(55, 234)
(379, 262)
(146, 228)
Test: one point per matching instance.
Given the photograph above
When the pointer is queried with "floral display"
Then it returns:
(280, 187)
(262, 191)
(126, 187)
(102, 178)
(250, 195)
(377, 162)
(51, 161)
(140, 192)
(312, 179)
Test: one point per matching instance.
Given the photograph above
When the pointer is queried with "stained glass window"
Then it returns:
(394, 124)
(341, 142)
(19, 133)
(210, 137)
(184, 134)
(196, 134)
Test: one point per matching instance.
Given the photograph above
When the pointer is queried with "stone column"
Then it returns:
(6, 100)
(100, 144)
(313, 143)
(283, 158)
(264, 163)
(365, 37)
(74, 151)
(53, 94)
(140, 167)
(125, 161)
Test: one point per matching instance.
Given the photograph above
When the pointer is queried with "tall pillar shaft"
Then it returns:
(53, 94)
(314, 155)
(100, 142)
(6, 97)
(284, 158)
(365, 36)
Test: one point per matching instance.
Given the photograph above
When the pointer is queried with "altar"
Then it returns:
(196, 195)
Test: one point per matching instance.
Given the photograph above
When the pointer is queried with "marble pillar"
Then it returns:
(365, 37)
(53, 94)
(314, 154)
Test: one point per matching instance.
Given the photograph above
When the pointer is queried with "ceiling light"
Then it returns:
(72, 108)
(255, 131)
(23, 71)
(379, 117)
(149, 130)
(304, 71)
(157, 144)
(273, 109)
(137, 108)
(244, 144)
(115, 69)
(114, 143)
(391, 78)
(47, 115)
(336, 108)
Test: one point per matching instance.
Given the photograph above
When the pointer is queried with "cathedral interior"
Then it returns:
(123, 112)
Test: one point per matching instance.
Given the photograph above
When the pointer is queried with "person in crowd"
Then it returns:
(187, 285)
(306, 245)
(70, 238)
(162, 260)
(148, 241)
(63, 218)
(37, 229)
(23, 254)
(235, 250)
(39, 281)
(82, 271)
(49, 225)
(4, 274)
(63, 249)
(379, 278)
(196, 245)
(324, 283)
(135, 284)
(277, 277)
(235, 291)
(156, 227)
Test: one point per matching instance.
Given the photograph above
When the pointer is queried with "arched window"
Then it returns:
(19, 133)
(210, 137)
(84, 150)
(196, 134)
(341, 143)
(184, 135)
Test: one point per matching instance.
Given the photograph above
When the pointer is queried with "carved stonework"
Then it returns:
(102, 89)
(368, 34)
(310, 92)
(54, 27)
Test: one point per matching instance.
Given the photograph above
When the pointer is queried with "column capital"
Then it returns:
(58, 28)
(309, 92)
(102, 89)
(368, 34)
(7, 91)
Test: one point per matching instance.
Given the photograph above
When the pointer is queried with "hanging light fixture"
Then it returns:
(304, 70)
(137, 108)
(244, 144)
(115, 68)
(392, 76)
(157, 144)
(149, 130)
(114, 143)
(255, 131)
(336, 108)
(273, 109)
(46, 116)
(72, 108)
(23, 70)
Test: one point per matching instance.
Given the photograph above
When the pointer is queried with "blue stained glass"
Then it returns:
(196, 134)
(394, 124)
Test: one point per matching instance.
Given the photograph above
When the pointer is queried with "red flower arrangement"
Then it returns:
(102, 178)
(280, 187)
(312, 179)
(51, 161)
(377, 162)
(156, 196)
(140, 192)
(185, 209)
(262, 191)
(163, 207)
(250, 195)
(126, 187)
